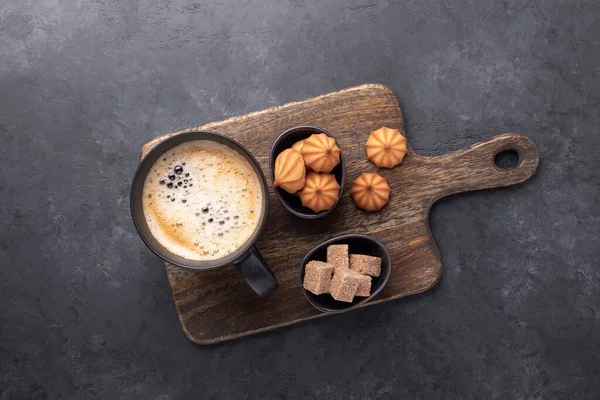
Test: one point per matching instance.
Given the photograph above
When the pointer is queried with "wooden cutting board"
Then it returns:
(218, 305)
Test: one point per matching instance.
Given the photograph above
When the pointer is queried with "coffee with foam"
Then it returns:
(202, 200)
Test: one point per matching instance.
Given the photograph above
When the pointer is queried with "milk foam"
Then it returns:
(208, 206)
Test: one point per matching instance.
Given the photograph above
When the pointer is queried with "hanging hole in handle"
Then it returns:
(508, 158)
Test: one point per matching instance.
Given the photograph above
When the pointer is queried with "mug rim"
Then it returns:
(163, 147)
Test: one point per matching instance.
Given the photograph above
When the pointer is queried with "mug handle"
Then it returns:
(256, 272)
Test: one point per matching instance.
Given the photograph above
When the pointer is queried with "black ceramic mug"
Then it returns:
(246, 258)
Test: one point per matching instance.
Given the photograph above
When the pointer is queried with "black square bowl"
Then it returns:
(291, 202)
(357, 244)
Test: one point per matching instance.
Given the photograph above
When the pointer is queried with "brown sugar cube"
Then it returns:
(337, 255)
(317, 277)
(366, 265)
(364, 285)
(344, 285)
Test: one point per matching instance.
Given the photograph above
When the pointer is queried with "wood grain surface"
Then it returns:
(218, 305)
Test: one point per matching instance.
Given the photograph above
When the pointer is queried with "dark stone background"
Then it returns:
(85, 308)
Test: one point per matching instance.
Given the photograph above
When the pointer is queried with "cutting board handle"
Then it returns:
(473, 168)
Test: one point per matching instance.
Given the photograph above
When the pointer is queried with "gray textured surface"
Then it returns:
(85, 308)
